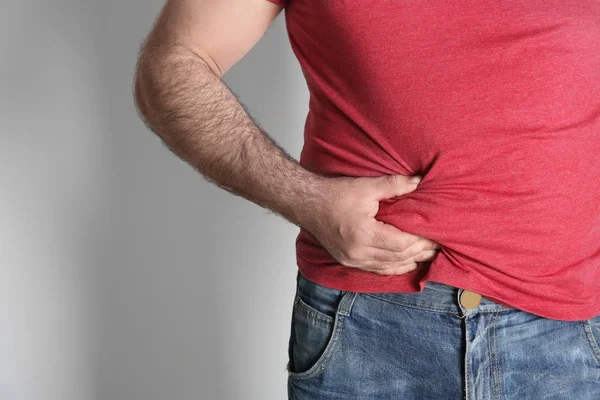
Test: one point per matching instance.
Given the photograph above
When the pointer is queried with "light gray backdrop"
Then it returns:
(125, 275)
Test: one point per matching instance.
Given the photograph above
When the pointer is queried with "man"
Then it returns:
(447, 192)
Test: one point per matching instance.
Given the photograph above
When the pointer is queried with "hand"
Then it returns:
(344, 223)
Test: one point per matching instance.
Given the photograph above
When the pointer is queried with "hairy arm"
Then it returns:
(181, 98)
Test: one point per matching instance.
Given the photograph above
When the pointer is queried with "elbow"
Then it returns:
(138, 99)
(149, 77)
(154, 73)
(141, 86)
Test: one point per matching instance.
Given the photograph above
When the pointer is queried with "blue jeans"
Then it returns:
(380, 346)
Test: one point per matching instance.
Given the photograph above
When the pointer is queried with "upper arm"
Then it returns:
(221, 32)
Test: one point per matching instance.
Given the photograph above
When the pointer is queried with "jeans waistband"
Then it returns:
(435, 296)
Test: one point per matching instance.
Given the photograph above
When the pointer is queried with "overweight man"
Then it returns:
(447, 191)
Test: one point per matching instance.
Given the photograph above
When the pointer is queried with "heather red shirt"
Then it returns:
(497, 106)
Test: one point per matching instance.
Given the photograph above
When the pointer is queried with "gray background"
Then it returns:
(123, 273)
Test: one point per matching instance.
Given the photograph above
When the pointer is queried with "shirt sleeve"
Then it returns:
(280, 2)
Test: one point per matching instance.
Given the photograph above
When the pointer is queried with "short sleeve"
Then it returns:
(280, 2)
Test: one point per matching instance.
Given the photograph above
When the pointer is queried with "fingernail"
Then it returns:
(415, 179)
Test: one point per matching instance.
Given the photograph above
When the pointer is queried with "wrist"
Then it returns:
(307, 207)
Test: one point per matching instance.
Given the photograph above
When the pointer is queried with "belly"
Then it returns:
(502, 119)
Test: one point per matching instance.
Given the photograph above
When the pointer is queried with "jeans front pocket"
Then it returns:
(315, 328)
(591, 328)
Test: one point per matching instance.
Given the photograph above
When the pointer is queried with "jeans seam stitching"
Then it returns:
(320, 366)
(314, 314)
(595, 349)
(491, 361)
(496, 358)
(430, 309)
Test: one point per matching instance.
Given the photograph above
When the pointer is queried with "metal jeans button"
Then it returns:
(469, 299)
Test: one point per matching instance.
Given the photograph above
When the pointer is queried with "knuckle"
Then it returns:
(403, 245)
(405, 255)
(409, 252)
(400, 257)
(391, 180)
(390, 255)
(377, 237)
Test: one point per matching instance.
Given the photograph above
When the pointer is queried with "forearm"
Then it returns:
(203, 123)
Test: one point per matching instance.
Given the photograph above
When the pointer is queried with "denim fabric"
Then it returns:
(380, 346)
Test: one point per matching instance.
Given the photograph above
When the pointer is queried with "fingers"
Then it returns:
(388, 237)
(430, 245)
(390, 262)
(378, 263)
(382, 256)
(425, 255)
(409, 265)
(387, 186)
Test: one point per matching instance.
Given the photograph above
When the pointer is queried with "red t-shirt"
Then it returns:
(497, 106)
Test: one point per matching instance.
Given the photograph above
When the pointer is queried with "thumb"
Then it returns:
(388, 186)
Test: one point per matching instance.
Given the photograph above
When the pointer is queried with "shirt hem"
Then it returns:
(337, 276)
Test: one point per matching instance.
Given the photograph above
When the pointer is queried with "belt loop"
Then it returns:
(345, 305)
